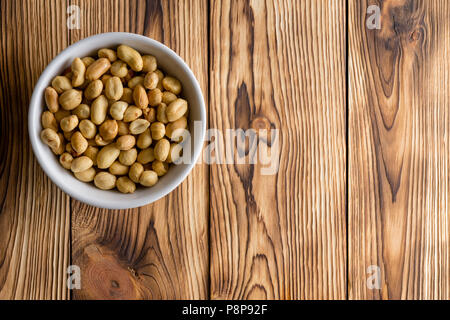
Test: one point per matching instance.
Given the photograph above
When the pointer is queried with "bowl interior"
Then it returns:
(171, 64)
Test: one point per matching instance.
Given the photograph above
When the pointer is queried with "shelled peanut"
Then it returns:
(113, 119)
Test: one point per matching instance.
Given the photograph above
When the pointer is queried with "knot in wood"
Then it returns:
(260, 123)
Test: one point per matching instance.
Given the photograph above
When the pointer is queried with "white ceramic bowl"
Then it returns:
(170, 63)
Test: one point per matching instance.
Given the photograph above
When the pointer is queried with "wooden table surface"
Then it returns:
(362, 187)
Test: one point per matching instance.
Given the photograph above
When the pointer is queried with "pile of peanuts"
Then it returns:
(116, 120)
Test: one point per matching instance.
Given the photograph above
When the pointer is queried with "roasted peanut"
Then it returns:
(132, 113)
(114, 88)
(98, 110)
(127, 95)
(144, 140)
(175, 130)
(125, 185)
(60, 150)
(123, 128)
(105, 78)
(160, 167)
(92, 152)
(158, 130)
(49, 121)
(176, 109)
(87, 61)
(140, 97)
(186, 114)
(86, 175)
(51, 99)
(135, 172)
(108, 54)
(128, 157)
(60, 114)
(87, 129)
(78, 72)
(107, 155)
(118, 169)
(70, 150)
(149, 114)
(105, 180)
(93, 90)
(149, 63)
(70, 99)
(61, 84)
(129, 76)
(62, 147)
(171, 84)
(97, 69)
(161, 113)
(168, 97)
(146, 156)
(161, 77)
(151, 80)
(148, 178)
(78, 142)
(160, 74)
(119, 69)
(99, 141)
(138, 126)
(68, 73)
(154, 97)
(133, 82)
(126, 142)
(117, 110)
(66, 160)
(69, 123)
(83, 111)
(68, 135)
(81, 164)
(161, 150)
(174, 153)
(130, 56)
(109, 129)
(50, 138)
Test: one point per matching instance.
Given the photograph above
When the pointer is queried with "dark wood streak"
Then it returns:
(154, 18)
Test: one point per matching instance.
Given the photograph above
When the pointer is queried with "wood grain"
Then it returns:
(159, 251)
(34, 213)
(280, 65)
(229, 231)
(399, 150)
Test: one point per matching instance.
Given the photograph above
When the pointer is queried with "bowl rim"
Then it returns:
(47, 73)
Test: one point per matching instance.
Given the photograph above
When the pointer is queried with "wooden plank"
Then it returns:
(280, 64)
(34, 213)
(399, 152)
(159, 251)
